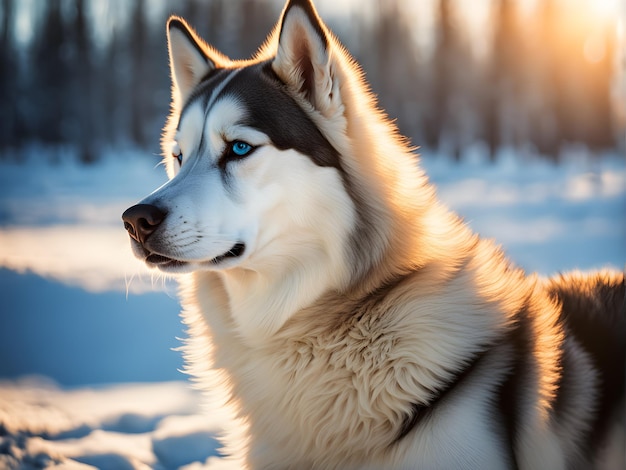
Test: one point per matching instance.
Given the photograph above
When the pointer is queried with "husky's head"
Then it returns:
(253, 180)
(281, 168)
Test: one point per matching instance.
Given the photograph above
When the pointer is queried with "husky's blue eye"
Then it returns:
(241, 148)
(235, 151)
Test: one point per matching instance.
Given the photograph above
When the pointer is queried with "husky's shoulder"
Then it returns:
(593, 308)
(598, 296)
(593, 313)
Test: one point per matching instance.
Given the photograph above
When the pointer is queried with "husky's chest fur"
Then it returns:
(345, 380)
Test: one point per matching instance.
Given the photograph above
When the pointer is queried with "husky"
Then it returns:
(353, 320)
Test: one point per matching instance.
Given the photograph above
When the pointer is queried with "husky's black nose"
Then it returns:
(142, 220)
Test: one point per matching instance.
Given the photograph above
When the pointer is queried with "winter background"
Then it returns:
(518, 107)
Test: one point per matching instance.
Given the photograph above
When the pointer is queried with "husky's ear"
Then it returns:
(304, 60)
(189, 61)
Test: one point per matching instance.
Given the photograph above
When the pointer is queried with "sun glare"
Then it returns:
(606, 9)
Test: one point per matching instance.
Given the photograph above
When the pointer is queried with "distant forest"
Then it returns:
(543, 84)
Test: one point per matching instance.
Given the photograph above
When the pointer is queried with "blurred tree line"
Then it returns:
(544, 82)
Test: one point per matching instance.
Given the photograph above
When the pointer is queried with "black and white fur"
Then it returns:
(352, 320)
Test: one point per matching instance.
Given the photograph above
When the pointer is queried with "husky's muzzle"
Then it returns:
(141, 221)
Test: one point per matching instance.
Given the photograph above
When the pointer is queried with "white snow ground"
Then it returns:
(128, 426)
(78, 310)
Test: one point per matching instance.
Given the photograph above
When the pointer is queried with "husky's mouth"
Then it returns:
(164, 262)
(235, 252)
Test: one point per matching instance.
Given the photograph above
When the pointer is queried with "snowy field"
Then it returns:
(89, 375)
